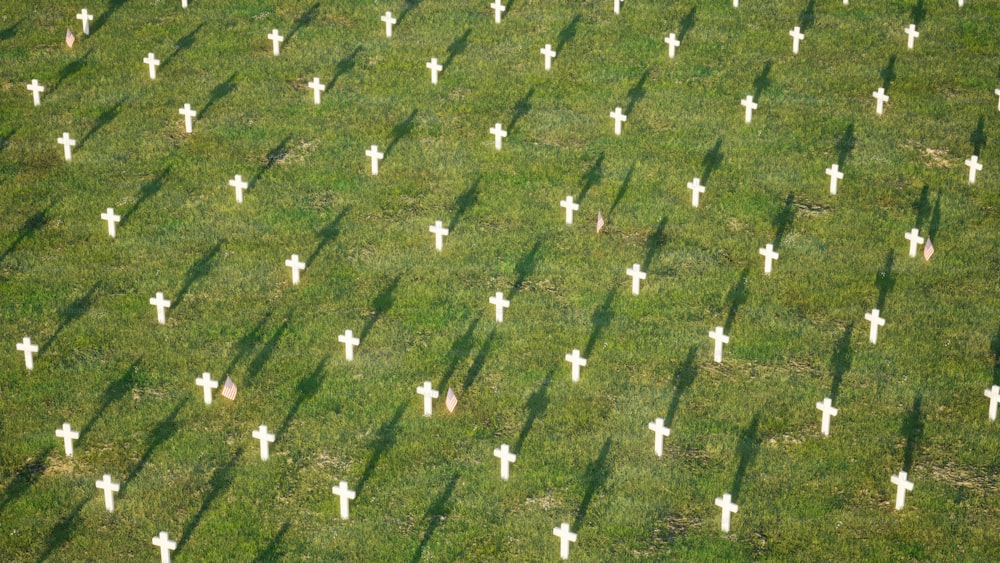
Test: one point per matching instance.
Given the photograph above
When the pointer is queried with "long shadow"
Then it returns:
(344, 66)
(436, 513)
(654, 242)
(840, 362)
(460, 349)
(935, 218)
(521, 108)
(687, 23)
(747, 448)
(249, 342)
(197, 271)
(183, 44)
(995, 348)
(762, 81)
(888, 73)
(567, 33)
(148, 190)
(384, 439)
(70, 69)
(464, 201)
(328, 234)
(305, 19)
(25, 476)
(592, 177)
(220, 91)
(918, 13)
(525, 267)
(538, 402)
(112, 393)
(163, 432)
(380, 305)
(912, 429)
(736, 297)
(922, 205)
(601, 319)
(683, 379)
(5, 140)
(637, 92)
(407, 8)
(712, 161)
(621, 191)
(885, 280)
(307, 388)
(10, 31)
(456, 48)
(477, 364)
(222, 479)
(274, 155)
(62, 531)
(272, 551)
(402, 129)
(783, 221)
(106, 117)
(113, 6)
(71, 313)
(31, 226)
(596, 475)
(845, 145)
(978, 137)
(260, 360)
(807, 17)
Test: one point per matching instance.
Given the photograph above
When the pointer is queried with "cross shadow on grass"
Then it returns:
(106, 117)
(912, 430)
(480, 360)
(221, 479)
(279, 152)
(567, 33)
(307, 388)
(380, 306)
(596, 475)
(163, 432)
(637, 92)
(402, 129)
(601, 319)
(736, 298)
(71, 68)
(687, 23)
(995, 348)
(840, 362)
(328, 234)
(436, 513)
(408, 7)
(273, 550)
(762, 81)
(305, 19)
(10, 31)
(935, 218)
(112, 393)
(25, 476)
(220, 91)
(525, 267)
(888, 73)
(747, 449)
(807, 17)
(918, 13)
(198, 270)
(922, 206)
(712, 161)
(978, 137)
(263, 355)
(684, 377)
(621, 191)
(384, 439)
(244, 346)
(183, 44)
(5, 140)
(146, 191)
(783, 221)
(885, 280)
(654, 242)
(538, 402)
(31, 226)
(521, 108)
(71, 313)
(62, 531)
(845, 145)
(456, 48)
(344, 66)
(460, 349)
(102, 19)
(592, 177)
(464, 201)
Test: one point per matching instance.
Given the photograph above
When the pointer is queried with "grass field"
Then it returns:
(429, 488)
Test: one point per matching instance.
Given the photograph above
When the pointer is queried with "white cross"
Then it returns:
(184, 4)
(375, 156)
(972, 163)
(902, 485)
(349, 341)
(317, 87)
(915, 240)
(549, 55)
(506, 458)
(577, 362)
(672, 43)
(346, 496)
(29, 350)
(435, 69)
(876, 321)
(276, 40)
(912, 34)
(265, 439)
(996, 91)
(565, 537)
(696, 189)
(439, 233)
(112, 220)
(109, 490)
(36, 89)
(207, 384)
(429, 395)
(238, 183)
(797, 36)
(828, 410)
(389, 21)
(498, 135)
(835, 174)
(166, 546)
(66, 142)
(637, 274)
(618, 6)
(961, 3)
(880, 98)
(728, 508)
(570, 208)
(188, 114)
(68, 435)
(161, 305)
(769, 256)
(736, 3)
(86, 19)
(993, 394)
(720, 339)
(619, 118)
(659, 431)
(750, 105)
(153, 63)
(296, 267)
(498, 8)
(500, 304)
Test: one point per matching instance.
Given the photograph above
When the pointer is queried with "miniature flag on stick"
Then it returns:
(600, 222)
(229, 389)
(451, 400)
(70, 38)
(928, 249)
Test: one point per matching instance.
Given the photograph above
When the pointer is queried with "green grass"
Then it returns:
(429, 487)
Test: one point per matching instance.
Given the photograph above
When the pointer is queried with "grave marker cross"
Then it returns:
(577, 362)
(826, 407)
(346, 496)
(66, 142)
(29, 350)
(880, 99)
(659, 431)
(876, 321)
(728, 508)
(297, 266)
(720, 339)
(349, 341)
(498, 9)
(153, 63)
(501, 304)
(440, 231)
(570, 208)
(696, 190)
(435, 69)
(972, 163)
(109, 490)
(36, 90)
(915, 240)
(769, 256)
(429, 395)
(902, 485)
(565, 538)
(619, 118)
(265, 440)
(163, 542)
(389, 22)
(207, 384)
(750, 105)
(276, 40)
(672, 43)
(188, 114)
(797, 36)
(68, 435)
(506, 458)
(112, 220)
(549, 54)
(993, 394)
(238, 183)
(375, 156)
(835, 174)
(317, 87)
(636, 274)
(86, 19)
(498, 135)
(911, 33)
(161, 305)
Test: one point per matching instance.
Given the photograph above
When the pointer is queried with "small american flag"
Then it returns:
(600, 221)
(70, 39)
(451, 400)
(928, 249)
(229, 389)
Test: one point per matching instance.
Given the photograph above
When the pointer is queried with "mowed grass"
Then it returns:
(428, 488)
